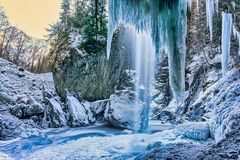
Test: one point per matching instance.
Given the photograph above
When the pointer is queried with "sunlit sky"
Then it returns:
(32, 16)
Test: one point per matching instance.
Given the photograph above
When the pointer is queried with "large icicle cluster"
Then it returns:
(166, 21)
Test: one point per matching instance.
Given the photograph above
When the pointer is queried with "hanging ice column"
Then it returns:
(113, 21)
(210, 12)
(176, 30)
(236, 34)
(226, 39)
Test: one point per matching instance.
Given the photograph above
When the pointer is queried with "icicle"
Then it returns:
(113, 20)
(210, 12)
(217, 4)
(236, 34)
(109, 39)
(197, 6)
(226, 39)
(190, 4)
(233, 5)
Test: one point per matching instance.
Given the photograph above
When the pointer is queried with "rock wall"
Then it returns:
(92, 77)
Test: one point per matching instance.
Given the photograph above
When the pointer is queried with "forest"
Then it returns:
(123, 80)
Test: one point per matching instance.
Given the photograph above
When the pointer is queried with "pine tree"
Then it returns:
(96, 26)
(65, 14)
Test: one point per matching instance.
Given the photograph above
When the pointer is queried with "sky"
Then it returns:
(32, 16)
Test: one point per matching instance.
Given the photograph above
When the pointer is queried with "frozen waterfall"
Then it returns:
(166, 22)
(226, 39)
(158, 24)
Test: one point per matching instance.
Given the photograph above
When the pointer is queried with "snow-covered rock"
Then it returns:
(29, 98)
(218, 103)
(193, 130)
(5, 157)
(99, 106)
(27, 110)
(79, 114)
(166, 115)
(227, 111)
(124, 111)
(55, 114)
(12, 127)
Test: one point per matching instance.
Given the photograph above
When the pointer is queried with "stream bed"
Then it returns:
(100, 141)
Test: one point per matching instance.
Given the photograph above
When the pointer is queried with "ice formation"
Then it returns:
(237, 36)
(217, 5)
(190, 4)
(210, 12)
(166, 22)
(145, 71)
(226, 39)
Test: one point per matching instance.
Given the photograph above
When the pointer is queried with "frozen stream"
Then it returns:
(95, 142)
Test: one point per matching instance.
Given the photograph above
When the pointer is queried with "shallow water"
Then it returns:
(22, 148)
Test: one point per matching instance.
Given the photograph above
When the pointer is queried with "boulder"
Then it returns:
(124, 111)
(98, 108)
(27, 111)
(55, 114)
(193, 130)
(79, 114)
(11, 127)
(166, 115)
(20, 74)
(21, 69)
(5, 99)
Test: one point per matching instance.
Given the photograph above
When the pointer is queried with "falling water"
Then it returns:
(145, 71)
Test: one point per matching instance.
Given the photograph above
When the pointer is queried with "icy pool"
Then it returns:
(95, 142)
